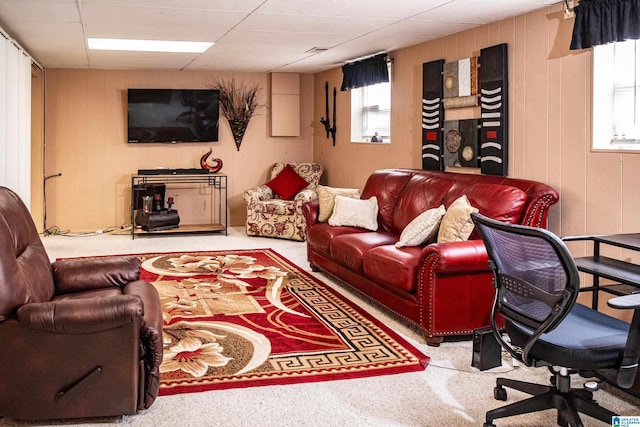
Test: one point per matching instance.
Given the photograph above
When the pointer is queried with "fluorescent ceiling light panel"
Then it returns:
(148, 45)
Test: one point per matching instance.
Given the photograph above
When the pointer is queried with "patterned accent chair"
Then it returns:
(268, 215)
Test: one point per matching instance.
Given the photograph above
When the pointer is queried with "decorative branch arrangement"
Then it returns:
(325, 121)
(238, 103)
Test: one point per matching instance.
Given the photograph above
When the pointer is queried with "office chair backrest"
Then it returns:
(536, 279)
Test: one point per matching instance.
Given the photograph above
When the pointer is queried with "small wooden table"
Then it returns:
(216, 181)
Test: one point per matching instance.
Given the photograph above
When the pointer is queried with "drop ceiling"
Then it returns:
(249, 35)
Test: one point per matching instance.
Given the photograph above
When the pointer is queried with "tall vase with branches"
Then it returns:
(239, 102)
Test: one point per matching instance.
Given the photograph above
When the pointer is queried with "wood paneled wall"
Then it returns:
(86, 142)
(550, 122)
(549, 131)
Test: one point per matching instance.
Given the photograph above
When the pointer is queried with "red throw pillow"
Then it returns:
(287, 183)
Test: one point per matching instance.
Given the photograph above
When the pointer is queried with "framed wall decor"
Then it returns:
(461, 143)
(479, 142)
(460, 83)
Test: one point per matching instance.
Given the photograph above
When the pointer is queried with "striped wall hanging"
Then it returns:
(432, 115)
(494, 110)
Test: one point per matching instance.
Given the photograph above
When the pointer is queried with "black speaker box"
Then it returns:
(154, 221)
(487, 352)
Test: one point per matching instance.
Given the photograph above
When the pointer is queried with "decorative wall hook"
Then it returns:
(238, 102)
(325, 121)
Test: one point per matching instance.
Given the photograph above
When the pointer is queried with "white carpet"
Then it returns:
(448, 393)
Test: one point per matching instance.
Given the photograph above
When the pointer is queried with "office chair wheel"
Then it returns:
(592, 386)
(500, 393)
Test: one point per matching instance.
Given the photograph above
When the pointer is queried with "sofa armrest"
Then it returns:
(82, 315)
(257, 194)
(536, 212)
(77, 275)
(457, 257)
(310, 211)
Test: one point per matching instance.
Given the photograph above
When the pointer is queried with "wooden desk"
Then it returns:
(625, 274)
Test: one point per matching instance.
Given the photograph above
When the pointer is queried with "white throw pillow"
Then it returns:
(457, 225)
(422, 228)
(355, 212)
(326, 199)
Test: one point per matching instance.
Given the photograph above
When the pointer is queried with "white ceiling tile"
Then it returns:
(135, 60)
(528, 3)
(479, 12)
(69, 58)
(104, 30)
(397, 9)
(38, 11)
(250, 35)
(426, 30)
(257, 62)
(312, 24)
(145, 17)
(301, 42)
(65, 36)
(220, 5)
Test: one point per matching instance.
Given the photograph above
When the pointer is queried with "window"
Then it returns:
(371, 113)
(616, 96)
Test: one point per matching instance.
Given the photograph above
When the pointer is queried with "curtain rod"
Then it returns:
(362, 58)
(23, 50)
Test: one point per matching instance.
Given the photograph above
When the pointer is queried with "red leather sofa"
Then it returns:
(444, 288)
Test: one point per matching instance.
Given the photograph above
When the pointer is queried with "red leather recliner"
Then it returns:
(80, 338)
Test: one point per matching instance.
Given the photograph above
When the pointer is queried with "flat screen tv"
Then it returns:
(172, 115)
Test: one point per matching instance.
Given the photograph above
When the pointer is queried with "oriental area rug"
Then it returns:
(244, 318)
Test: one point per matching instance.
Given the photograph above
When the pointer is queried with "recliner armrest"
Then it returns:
(150, 337)
(78, 275)
(82, 315)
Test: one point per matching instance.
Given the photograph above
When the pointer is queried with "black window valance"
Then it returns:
(600, 22)
(363, 73)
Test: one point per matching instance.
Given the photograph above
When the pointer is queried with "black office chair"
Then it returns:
(537, 284)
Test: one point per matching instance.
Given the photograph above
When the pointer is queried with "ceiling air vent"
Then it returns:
(317, 50)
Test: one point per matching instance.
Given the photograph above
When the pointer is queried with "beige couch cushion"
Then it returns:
(355, 212)
(326, 199)
(456, 225)
(422, 229)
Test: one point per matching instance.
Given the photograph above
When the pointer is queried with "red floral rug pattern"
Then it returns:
(244, 318)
